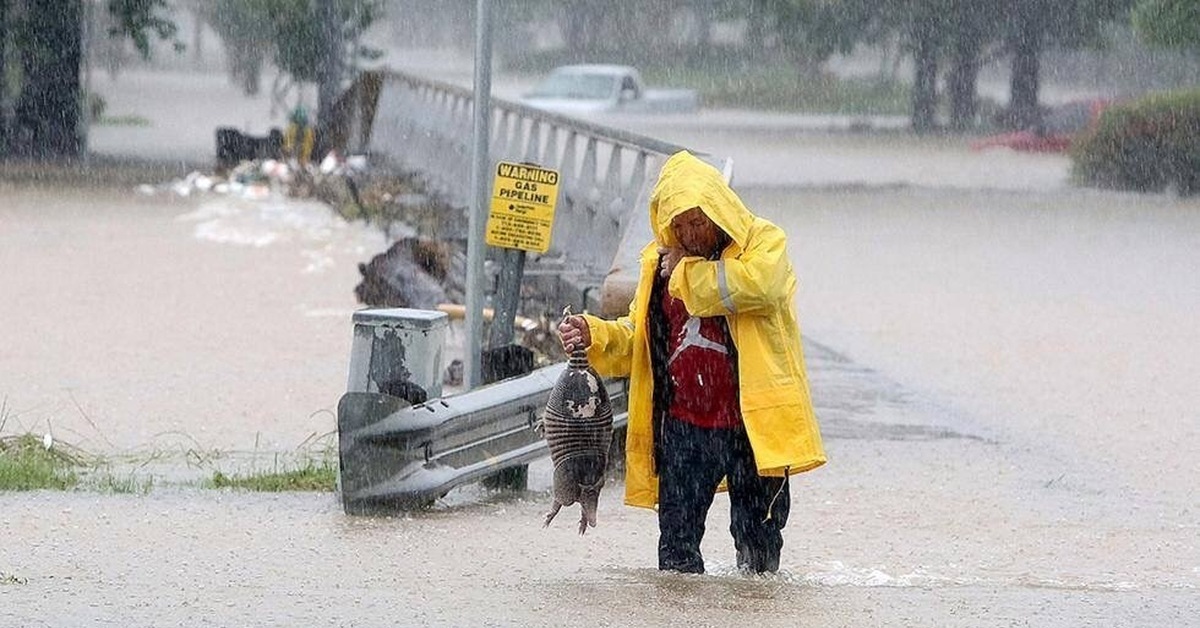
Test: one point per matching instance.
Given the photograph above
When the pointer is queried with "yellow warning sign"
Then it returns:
(522, 212)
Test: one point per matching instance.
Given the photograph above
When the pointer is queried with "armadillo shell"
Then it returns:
(578, 416)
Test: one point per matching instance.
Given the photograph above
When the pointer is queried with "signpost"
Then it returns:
(523, 200)
(521, 219)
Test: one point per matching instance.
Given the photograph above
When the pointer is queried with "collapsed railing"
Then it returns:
(400, 443)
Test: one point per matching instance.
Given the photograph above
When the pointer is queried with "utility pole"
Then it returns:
(480, 169)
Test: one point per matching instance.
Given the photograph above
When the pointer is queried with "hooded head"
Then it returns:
(686, 183)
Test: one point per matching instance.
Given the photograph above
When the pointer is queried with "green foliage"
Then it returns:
(780, 89)
(137, 19)
(125, 484)
(1168, 23)
(289, 30)
(813, 30)
(1148, 145)
(738, 78)
(27, 465)
(313, 476)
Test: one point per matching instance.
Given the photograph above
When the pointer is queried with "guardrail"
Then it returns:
(395, 456)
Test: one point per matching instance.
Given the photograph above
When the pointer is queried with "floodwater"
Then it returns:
(1004, 366)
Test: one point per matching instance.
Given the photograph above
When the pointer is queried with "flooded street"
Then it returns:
(1004, 368)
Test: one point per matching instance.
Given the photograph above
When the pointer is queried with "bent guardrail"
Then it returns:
(395, 456)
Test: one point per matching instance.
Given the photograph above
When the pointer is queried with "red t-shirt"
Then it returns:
(701, 367)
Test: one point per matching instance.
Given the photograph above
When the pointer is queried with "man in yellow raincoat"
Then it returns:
(718, 391)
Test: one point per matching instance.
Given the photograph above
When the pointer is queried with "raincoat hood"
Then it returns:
(686, 182)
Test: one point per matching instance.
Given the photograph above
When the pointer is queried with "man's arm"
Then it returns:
(756, 281)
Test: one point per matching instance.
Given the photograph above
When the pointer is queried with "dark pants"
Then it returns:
(692, 460)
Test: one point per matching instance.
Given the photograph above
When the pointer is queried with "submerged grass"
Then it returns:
(126, 484)
(31, 462)
(316, 476)
(312, 468)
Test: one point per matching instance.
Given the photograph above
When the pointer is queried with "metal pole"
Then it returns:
(507, 297)
(472, 373)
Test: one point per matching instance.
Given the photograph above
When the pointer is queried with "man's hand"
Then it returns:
(668, 258)
(574, 334)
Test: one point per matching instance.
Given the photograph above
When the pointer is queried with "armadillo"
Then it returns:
(578, 426)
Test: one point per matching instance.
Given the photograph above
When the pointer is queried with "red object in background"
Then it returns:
(1060, 125)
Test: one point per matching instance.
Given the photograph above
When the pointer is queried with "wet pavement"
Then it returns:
(1004, 366)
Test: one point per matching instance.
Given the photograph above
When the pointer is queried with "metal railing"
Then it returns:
(395, 456)
(605, 174)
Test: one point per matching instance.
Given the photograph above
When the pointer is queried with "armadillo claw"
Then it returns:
(550, 515)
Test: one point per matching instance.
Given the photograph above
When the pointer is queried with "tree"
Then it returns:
(811, 31)
(246, 29)
(310, 42)
(1168, 23)
(961, 30)
(589, 26)
(46, 39)
(1035, 25)
(972, 24)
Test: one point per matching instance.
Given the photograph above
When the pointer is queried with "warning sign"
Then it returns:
(522, 213)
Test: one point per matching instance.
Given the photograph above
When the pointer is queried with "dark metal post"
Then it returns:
(507, 297)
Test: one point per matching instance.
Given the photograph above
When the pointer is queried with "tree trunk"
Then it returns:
(49, 108)
(924, 96)
(704, 22)
(329, 72)
(960, 82)
(3, 78)
(1026, 45)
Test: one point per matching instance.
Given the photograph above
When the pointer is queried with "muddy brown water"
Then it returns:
(1005, 368)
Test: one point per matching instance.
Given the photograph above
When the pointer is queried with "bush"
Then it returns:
(1148, 145)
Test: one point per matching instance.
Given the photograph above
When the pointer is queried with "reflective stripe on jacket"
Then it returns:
(753, 286)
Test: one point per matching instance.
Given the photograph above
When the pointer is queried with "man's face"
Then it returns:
(696, 233)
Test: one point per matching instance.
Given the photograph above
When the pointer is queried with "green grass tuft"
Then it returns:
(313, 476)
(122, 484)
(27, 465)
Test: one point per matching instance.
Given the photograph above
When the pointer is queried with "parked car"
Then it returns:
(1060, 125)
(595, 88)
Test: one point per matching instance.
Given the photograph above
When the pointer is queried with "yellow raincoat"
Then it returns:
(752, 285)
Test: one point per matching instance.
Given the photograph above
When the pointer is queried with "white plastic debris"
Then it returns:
(330, 163)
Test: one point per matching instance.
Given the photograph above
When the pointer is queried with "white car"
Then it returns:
(594, 88)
